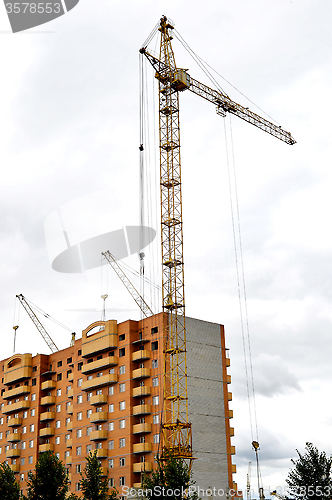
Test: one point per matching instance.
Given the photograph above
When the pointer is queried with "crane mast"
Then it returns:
(176, 428)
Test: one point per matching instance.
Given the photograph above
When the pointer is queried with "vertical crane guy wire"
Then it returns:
(242, 296)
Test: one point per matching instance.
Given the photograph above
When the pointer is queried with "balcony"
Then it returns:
(13, 453)
(15, 407)
(69, 460)
(17, 367)
(140, 355)
(231, 431)
(142, 448)
(233, 468)
(144, 390)
(141, 428)
(47, 400)
(48, 385)
(69, 443)
(70, 409)
(228, 379)
(14, 422)
(104, 471)
(230, 414)
(14, 437)
(232, 451)
(141, 409)
(102, 453)
(142, 467)
(69, 426)
(141, 373)
(70, 393)
(46, 447)
(17, 391)
(47, 415)
(71, 377)
(99, 364)
(99, 416)
(15, 468)
(103, 340)
(98, 435)
(102, 381)
(229, 396)
(47, 431)
(100, 399)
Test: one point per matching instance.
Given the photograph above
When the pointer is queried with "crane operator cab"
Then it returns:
(181, 80)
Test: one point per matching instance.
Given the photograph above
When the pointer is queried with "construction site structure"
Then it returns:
(105, 393)
(176, 426)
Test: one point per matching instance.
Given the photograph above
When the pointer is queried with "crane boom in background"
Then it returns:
(146, 310)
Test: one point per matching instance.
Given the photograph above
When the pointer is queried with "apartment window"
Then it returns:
(99, 392)
(122, 461)
(141, 365)
(111, 408)
(79, 366)
(111, 371)
(67, 420)
(33, 412)
(99, 374)
(21, 477)
(79, 433)
(154, 346)
(23, 445)
(57, 440)
(89, 396)
(68, 388)
(69, 373)
(88, 448)
(111, 445)
(111, 426)
(122, 337)
(57, 424)
(79, 415)
(34, 382)
(122, 369)
(32, 427)
(111, 391)
(57, 456)
(69, 360)
(67, 437)
(26, 398)
(8, 432)
(22, 461)
(78, 450)
(156, 438)
(59, 363)
(58, 392)
(31, 443)
(155, 400)
(154, 329)
(88, 413)
(155, 363)
(90, 377)
(25, 414)
(68, 404)
(156, 419)
(79, 352)
(155, 382)
(78, 486)
(88, 431)
(59, 377)
(122, 405)
(58, 408)
(67, 453)
(111, 482)
(79, 399)
(0, 435)
(122, 387)
(1, 421)
(122, 352)
(33, 397)
(122, 481)
(79, 382)
(30, 460)
(122, 423)
(122, 442)
(78, 468)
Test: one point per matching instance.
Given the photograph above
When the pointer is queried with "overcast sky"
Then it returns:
(69, 138)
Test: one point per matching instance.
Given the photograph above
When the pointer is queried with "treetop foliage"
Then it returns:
(310, 479)
(9, 488)
(50, 479)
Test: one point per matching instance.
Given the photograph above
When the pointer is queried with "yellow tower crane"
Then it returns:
(176, 428)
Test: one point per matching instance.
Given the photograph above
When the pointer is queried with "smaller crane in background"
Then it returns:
(146, 310)
(40, 327)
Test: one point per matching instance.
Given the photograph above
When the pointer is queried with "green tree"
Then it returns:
(310, 479)
(171, 479)
(9, 488)
(50, 479)
(93, 486)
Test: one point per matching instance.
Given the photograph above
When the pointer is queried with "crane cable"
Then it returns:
(242, 297)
